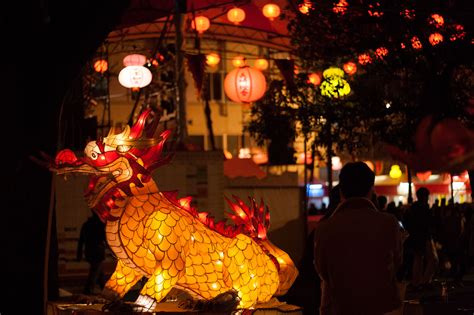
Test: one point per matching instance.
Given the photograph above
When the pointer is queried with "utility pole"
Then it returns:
(180, 82)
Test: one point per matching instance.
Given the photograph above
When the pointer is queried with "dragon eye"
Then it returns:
(94, 156)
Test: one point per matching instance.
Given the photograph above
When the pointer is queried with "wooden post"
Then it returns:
(180, 82)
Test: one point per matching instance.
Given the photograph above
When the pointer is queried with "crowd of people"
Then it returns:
(365, 250)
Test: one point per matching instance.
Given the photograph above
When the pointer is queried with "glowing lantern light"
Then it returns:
(423, 176)
(364, 59)
(245, 85)
(134, 60)
(305, 7)
(101, 66)
(261, 64)
(350, 68)
(395, 172)
(381, 52)
(300, 158)
(212, 59)
(415, 43)
(409, 14)
(238, 61)
(236, 15)
(314, 79)
(271, 11)
(370, 165)
(334, 84)
(201, 24)
(340, 7)
(135, 77)
(373, 10)
(460, 33)
(437, 20)
(336, 163)
(435, 39)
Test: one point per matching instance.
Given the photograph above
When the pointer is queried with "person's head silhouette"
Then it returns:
(356, 180)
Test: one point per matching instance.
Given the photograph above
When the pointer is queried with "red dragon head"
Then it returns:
(117, 163)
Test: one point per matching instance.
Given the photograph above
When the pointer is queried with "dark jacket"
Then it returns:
(92, 238)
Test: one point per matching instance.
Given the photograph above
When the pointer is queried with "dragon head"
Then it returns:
(119, 165)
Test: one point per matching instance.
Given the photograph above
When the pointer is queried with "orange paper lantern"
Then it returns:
(435, 39)
(271, 11)
(201, 24)
(101, 66)
(261, 64)
(245, 85)
(212, 59)
(314, 78)
(305, 7)
(364, 59)
(238, 61)
(350, 68)
(236, 15)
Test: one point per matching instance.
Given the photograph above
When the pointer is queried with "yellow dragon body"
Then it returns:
(155, 235)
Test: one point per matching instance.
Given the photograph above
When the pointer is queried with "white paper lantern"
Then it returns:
(135, 77)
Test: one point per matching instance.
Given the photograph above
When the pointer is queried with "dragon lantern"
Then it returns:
(155, 235)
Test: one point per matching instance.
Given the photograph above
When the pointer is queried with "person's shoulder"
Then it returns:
(387, 218)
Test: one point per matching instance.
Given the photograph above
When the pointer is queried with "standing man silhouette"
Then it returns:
(92, 239)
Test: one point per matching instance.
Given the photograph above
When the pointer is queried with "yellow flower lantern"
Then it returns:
(212, 59)
(236, 15)
(238, 61)
(245, 85)
(395, 172)
(200, 24)
(261, 64)
(157, 237)
(334, 85)
(271, 11)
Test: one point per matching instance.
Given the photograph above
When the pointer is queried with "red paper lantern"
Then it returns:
(364, 59)
(201, 24)
(415, 43)
(271, 11)
(350, 67)
(435, 39)
(236, 15)
(245, 85)
(134, 60)
(423, 176)
(261, 64)
(314, 78)
(101, 66)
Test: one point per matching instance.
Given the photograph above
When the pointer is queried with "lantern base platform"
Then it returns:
(273, 307)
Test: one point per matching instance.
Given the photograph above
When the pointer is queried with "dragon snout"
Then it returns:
(65, 156)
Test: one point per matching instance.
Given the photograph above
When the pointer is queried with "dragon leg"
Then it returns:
(121, 281)
(159, 284)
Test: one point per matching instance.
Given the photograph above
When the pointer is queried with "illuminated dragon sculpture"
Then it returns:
(155, 235)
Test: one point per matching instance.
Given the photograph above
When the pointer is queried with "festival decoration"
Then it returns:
(101, 65)
(305, 7)
(200, 24)
(213, 59)
(236, 15)
(238, 61)
(245, 85)
(271, 11)
(444, 146)
(155, 235)
(336, 163)
(435, 39)
(314, 78)
(334, 85)
(261, 64)
(395, 172)
(134, 60)
(350, 67)
(364, 59)
(135, 77)
(423, 176)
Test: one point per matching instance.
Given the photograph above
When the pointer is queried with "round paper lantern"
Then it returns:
(395, 171)
(135, 77)
(201, 24)
(305, 7)
(245, 85)
(437, 20)
(423, 176)
(134, 60)
(101, 66)
(415, 43)
(435, 39)
(350, 67)
(261, 64)
(381, 52)
(212, 59)
(314, 78)
(236, 15)
(238, 61)
(364, 59)
(271, 11)
(336, 163)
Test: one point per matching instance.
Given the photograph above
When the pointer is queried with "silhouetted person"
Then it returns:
(92, 240)
(382, 202)
(358, 250)
(312, 209)
(419, 224)
(334, 200)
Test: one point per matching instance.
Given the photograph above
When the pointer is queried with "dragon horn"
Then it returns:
(137, 129)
